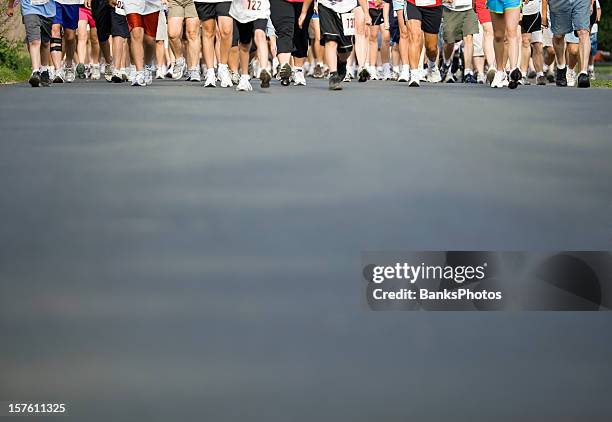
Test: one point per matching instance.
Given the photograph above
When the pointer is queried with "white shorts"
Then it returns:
(142, 7)
(547, 37)
(162, 28)
(477, 39)
(537, 36)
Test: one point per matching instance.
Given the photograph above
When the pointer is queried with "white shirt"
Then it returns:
(249, 10)
(141, 7)
(459, 5)
(69, 1)
(339, 6)
(533, 7)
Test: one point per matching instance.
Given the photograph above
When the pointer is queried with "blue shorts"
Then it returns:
(66, 15)
(594, 44)
(500, 6)
(569, 15)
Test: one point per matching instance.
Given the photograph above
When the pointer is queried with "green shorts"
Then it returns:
(457, 25)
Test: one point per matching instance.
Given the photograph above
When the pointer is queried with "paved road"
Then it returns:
(180, 253)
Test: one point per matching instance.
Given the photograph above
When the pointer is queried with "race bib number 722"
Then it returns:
(348, 23)
(119, 9)
(252, 4)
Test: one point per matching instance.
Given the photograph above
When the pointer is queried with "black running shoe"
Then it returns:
(35, 79)
(561, 78)
(444, 68)
(45, 80)
(80, 71)
(515, 77)
(470, 79)
(550, 77)
(364, 75)
(285, 74)
(335, 81)
(116, 78)
(265, 77)
(584, 80)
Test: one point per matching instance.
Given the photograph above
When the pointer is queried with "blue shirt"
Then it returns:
(47, 10)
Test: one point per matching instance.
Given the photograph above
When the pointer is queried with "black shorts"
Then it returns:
(377, 16)
(212, 10)
(430, 17)
(332, 30)
(235, 38)
(247, 30)
(108, 22)
(531, 23)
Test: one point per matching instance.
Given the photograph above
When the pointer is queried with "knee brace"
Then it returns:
(56, 44)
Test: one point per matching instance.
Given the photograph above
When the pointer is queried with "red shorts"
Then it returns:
(483, 13)
(148, 22)
(85, 15)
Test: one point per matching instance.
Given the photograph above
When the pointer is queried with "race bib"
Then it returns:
(38, 2)
(462, 3)
(425, 3)
(348, 23)
(119, 9)
(254, 5)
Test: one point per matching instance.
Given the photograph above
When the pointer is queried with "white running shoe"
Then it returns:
(244, 84)
(386, 73)
(499, 80)
(132, 73)
(299, 78)
(160, 73)
(69, 73)
(194, 75)
(415, 78)
(108, 72)
(148, 72)
(374, 76)
(95, 72)
(404, 75)
(225, 78)
(179, 68)
(571, 77)
(433, 74)
(139, 78)
(235, 77)
(210, 80)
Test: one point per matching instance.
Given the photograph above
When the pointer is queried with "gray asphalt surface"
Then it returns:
(180, 253)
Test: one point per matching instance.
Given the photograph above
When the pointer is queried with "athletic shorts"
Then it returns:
(246, 31)
(66, 15)
(162, 28)
(394, 29)
(182, 9)
(569, 15)
(484, 16)
(332, 30)
(571, 38)
(212, 10)
(478, 40)
(37, 28)
(377, 16)
(148, 22)
(85, 15)
(500, 6)
(108, 22)
(531, 23)
(547, 37)
(458, 25)
(430, 17)
(536, 36)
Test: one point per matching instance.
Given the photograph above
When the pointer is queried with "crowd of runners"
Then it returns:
(502, 43)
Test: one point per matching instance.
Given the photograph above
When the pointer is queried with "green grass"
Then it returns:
(602, 83)
(22, 73)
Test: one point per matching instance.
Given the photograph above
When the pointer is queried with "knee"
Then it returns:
(511, 32)
(499, 36)
(225, 32)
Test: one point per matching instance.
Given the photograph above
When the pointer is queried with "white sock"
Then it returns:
(222, 66)
(539, 74)
(561, 66)
(431, 64)
(405, 68)
(469, 71)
